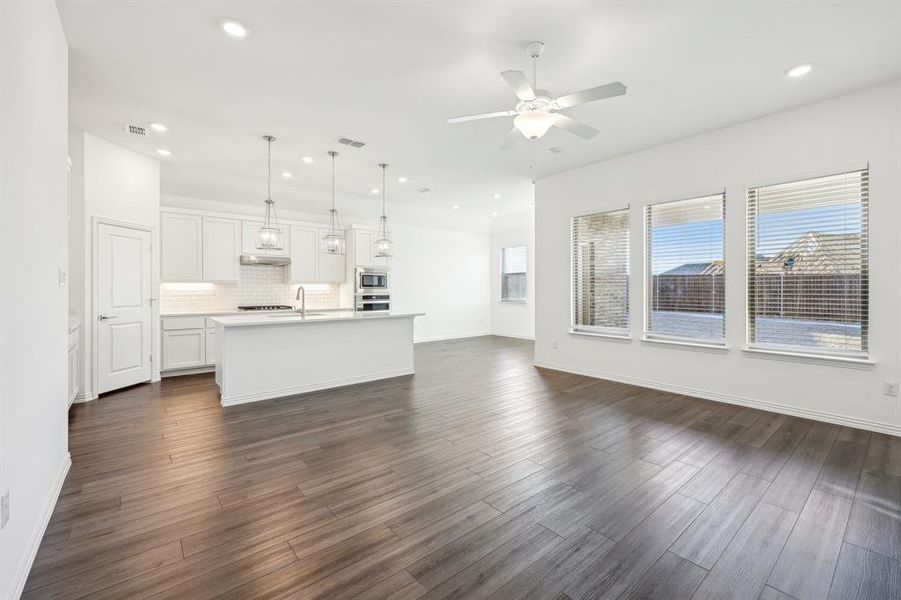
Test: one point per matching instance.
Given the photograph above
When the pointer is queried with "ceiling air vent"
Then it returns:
(350, 142)
(133, 129)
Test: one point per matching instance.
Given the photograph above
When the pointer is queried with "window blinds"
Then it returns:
(807, 264)
(686, 269)
(600, 276)
(513, 274)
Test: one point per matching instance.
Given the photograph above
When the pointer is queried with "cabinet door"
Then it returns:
(364, 254)
(210, 346)
(184, 349)
(331, 266)
(304, 254)
(182, 251)
(73, 374)
(221, 249)
(250, 233)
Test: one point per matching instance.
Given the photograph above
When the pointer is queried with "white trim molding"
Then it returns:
(294, 391)
(31, 550)
(817, 415)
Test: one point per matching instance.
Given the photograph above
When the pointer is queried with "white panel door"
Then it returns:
(304, 254)
(123, 306)
(182, 249)
(331, 266)
(221, 249)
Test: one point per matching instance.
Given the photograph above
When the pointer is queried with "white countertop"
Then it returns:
(212, 313)
(313, 316)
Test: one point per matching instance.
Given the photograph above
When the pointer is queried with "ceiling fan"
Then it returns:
(537, 110)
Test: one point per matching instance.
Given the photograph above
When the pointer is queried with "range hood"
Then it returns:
(263, 259)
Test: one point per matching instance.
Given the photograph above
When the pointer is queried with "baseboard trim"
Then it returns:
(514, 336)
(315, 387)
(82, 398)
(817, 415)
(460, 336)
(34, 543)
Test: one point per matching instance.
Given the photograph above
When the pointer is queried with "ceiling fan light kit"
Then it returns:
(537, 111)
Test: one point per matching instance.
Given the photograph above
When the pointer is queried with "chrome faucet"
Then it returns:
(302, 296)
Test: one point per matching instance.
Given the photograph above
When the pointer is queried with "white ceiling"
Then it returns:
(390, 73)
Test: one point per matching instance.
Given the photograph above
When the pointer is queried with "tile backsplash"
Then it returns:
(259, 284)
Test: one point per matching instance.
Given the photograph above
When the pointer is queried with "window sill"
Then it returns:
(700, 346)
(598, 334)
(810, 358)
(511, 301)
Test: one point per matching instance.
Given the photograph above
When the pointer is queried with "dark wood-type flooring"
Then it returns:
(479, 477)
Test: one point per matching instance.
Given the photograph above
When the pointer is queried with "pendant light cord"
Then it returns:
(384, 193)
(333, 154)
(269, 169)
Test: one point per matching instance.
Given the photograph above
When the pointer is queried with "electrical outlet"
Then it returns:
(554, 344)
(4, 510)
(63, 277)
(889, 388)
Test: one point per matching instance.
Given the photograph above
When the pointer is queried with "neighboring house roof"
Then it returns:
(704, 268)
(817, 253)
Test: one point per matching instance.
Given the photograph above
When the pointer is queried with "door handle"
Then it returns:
(105, 317)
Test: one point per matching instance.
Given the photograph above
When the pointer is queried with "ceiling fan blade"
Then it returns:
(591, 94)
(577, 127)
(491, 115)
(511, 139)
(520, 85)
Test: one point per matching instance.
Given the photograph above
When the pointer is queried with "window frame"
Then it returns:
(799, 352)
(598, 331)
(525, 274)
(650, 336)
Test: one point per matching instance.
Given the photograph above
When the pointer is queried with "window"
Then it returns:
(686, 269)
(600, 277)
(807, 265)
(513, 274)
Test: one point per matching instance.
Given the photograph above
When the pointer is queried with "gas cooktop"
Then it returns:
(265, 307)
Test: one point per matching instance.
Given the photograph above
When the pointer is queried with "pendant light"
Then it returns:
(383, 244)
(334, 239)
(270, 235)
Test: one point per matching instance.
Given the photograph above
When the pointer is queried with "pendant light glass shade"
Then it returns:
(334, 239)
(383, 245)
(534, 123)
(270, 234)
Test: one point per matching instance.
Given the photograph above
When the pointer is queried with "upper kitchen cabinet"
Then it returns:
(362, 249)
(250, 233)
(221, 249)
(181, 236)
(304, 254)
(331, 266)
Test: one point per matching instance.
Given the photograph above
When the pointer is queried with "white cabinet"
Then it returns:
(221, 249)
(181, 237)
(73, 365)
(184, 349)
(363, 253)
(304, 254)
(210, 346)
(331, 266)
(250, 233)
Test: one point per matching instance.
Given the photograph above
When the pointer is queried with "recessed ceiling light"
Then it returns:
(403, 179)
(234, 28)
(799, 70)
(374, 191)
(158, 127)
(286, 175)
(307, 159)
(494, 214)
(163, 152)
(456, 207)
(496, 196)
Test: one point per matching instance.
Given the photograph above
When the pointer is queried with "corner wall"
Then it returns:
(34, 454)
(852, 129)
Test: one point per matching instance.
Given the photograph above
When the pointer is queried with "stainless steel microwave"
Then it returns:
(371, 279)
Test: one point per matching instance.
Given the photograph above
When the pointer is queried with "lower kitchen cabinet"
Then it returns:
(184, 349)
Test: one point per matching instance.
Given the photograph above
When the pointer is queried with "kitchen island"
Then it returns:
(259, 357)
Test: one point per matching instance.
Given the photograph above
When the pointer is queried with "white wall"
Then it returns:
(840, 132)
(441, 272)
(33, 305)
(512, 319)
(119, 184)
